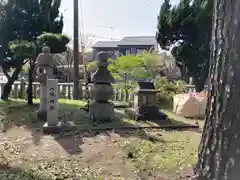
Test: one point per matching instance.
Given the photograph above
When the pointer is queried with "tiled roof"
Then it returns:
(106, 44)
(138, 40)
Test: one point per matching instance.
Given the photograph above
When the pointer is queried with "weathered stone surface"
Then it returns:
(102, 56)
(103, 112)
(56, 128)
(42, 78)
(42, 115)
(102, 92)
(100, 109)
(52, 102)
(145, 104)
(45, 58)
(44, 65)
(102, 75)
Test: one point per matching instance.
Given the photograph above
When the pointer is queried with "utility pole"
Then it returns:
(76, 92)
(85, 70)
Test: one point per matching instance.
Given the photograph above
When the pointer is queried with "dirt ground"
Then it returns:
(147, 154)
(100, 153)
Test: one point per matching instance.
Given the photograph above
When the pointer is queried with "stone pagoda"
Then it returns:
(100, 109)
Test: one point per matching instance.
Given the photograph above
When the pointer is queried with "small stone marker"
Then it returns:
(53, 124)
(52, 105)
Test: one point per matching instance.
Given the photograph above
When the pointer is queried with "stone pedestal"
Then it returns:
(103, 112)
(100, 109)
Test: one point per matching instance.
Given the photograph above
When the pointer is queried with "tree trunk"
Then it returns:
(7, 89)
(219, 150)
(30, 82)
(11, 79)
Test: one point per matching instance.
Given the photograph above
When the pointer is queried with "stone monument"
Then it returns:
(145, 104)
(44, 65)
(100, 109)
(53, 124)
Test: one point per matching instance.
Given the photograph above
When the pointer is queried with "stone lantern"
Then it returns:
(45, 62)
(100, 109)
(145, 103)
(44, 71)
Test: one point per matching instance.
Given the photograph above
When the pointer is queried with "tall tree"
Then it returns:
(25, 20)
(219, 150)
(186, 28)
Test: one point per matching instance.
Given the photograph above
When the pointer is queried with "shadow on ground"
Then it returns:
(18, 114)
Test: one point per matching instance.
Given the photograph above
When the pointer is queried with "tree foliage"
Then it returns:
(28, 20)
(167, 90)
(152, 64)
(186, 30)
(23, 25)
(127, 68)
(146, 66)
(56, 42)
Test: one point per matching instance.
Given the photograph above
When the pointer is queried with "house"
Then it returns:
(108, 46)
(134, 45)
(128, 45)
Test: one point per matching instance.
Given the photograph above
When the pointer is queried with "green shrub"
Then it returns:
(92, 66)
(167, 90)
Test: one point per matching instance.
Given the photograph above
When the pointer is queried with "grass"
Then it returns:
(140, 153)
(172, 151)
(44, 170)
(69, 110)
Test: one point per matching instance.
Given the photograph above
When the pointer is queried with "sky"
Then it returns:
(113, 19)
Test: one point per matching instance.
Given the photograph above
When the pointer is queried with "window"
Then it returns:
(134, 50)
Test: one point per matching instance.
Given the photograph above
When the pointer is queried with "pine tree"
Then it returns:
(188, 27)
(25, 21)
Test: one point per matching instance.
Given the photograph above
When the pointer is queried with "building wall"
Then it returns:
(113, 53)
(121, 51)
(127, 50)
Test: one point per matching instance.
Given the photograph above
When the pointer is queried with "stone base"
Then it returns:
(42, 115)
(134, 114)
(101, 111)
(59, 127)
